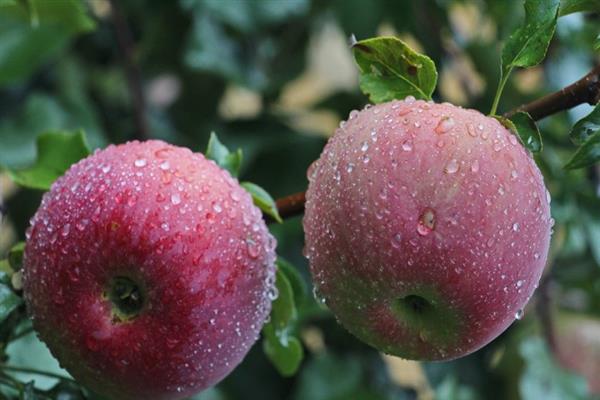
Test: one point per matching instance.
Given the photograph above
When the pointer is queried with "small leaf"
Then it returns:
(527, 131)
(220, 154)
(286, 355)
(543, 378)
(390, 69)
(587, 154)
(586, 127)
(524, 128)
(295, 279)
(15, 256)
(527, 46)
(284, 350)
(284, 309)
(56, 152)
(572, 6)
(263, 200)
(8, 301)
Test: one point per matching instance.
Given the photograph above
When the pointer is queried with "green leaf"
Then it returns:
(263, 200)
(56, 152)
(544, 379)
(32, 40)
(15, 256)
(286, 355)
(8, 301)
(295, 279)
(587, 154)
(527, 131)
(220, 154)
(284, 350)
(586, 127)
(283, 308)
(597, 44)
(527, 46)
(572, 6)
(390, 69)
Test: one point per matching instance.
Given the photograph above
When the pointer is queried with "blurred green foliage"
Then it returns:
(62, 69)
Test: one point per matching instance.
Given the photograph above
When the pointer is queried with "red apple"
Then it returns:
(148, 271)
(427, 228)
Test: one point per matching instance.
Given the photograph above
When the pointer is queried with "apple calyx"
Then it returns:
(126, 297)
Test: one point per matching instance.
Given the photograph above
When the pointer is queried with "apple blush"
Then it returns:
(148, 271)
(427, 228)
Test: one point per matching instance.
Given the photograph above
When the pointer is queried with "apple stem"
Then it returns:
(585, 90)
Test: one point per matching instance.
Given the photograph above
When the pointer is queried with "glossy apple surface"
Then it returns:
(427, 228)
(148, 271)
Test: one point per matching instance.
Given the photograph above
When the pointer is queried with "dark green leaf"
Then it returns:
(4, 3)
(586, 127)
(527, 46)
(573, 6)
(284, 350)
(8, 301)
(220, 154)
(284, 309)
(526, 130)
(543, 378)
(587, 154)
(328, 377)
(263, 200)
(24, 47)
(390, 69)
(15, 256)
(56, 152)
(295, 279)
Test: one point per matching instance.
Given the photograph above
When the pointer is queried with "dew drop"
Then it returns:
(515, 227)
(451, 167)
(217, 208)
(471, 130)
(140, 162)
(475, 166)
(350, 167)
(407, 145)
(444, 125)
(165, 166)
(397, 240)
(519, 314)
(175, 198)
(365, 146)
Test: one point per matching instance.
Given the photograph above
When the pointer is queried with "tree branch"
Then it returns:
(132, 71)
(585, 90)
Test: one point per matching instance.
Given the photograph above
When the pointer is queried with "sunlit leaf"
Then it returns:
(390, 69)
(56, 152)
(263, 200)
(220, 154)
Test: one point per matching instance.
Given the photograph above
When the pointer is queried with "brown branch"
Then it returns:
(132, 70)
(585, 90)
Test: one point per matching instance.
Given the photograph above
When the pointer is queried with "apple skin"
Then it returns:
(427, 228)
(578, 347)
(180, 228)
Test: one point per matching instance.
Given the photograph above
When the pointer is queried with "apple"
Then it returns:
(148, 271)
(578, 347)
(427, 228)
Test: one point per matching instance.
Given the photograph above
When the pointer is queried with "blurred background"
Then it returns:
(275, 77)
